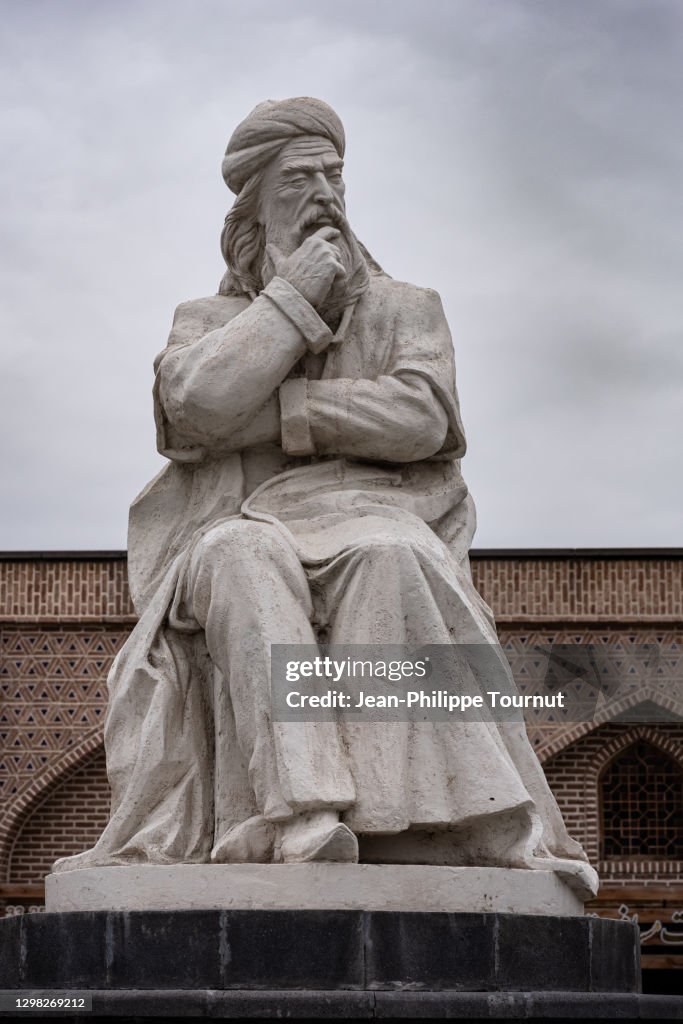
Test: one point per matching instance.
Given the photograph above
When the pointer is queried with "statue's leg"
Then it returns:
(398, 585)
(247, 590)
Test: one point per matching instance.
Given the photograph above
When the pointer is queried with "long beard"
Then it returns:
(344, 290)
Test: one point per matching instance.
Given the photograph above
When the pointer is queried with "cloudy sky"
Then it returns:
(524, 158)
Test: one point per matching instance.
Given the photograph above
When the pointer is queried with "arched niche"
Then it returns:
(641, 804)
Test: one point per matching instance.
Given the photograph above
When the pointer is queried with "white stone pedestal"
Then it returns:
(397, 887)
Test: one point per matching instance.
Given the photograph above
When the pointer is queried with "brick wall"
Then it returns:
(64, 590)
(522, 587)
(621, 646)
(582, 589)
(68, 820)
(52, 703)
(574, 777)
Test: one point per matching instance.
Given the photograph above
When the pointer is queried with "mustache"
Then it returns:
(319, 217)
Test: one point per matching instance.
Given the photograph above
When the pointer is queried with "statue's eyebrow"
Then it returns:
(308, 167)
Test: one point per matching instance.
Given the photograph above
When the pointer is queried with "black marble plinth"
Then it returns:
(223, 963)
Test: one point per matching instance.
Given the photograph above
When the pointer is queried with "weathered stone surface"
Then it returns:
(404, 887)
(435, 951)
(310, 950)
(615, 957)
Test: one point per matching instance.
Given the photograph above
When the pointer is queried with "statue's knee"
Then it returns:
(389, 552)
(218, 543)
(240, 541)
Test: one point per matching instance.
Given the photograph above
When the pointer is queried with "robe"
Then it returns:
(325, 447)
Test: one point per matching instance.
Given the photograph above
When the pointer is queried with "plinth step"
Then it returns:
(340, 950)
(131, 1006)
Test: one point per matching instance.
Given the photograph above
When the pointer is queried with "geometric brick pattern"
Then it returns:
(646, 663)
(52, 702)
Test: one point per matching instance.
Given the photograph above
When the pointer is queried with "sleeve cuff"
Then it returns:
(296, 428)
(301, 313)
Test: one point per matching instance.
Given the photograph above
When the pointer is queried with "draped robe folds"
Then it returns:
(356, 457)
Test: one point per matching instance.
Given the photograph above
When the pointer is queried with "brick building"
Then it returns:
(618, 777)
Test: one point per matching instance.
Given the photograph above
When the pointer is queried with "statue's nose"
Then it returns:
(322, 193)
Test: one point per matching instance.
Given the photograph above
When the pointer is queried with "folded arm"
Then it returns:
(407, 413)
(396, 418)
(222, 386)
(217, 389)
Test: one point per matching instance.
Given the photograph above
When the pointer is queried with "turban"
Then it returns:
(269, 127)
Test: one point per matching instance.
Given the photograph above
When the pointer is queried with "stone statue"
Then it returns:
(313, 493)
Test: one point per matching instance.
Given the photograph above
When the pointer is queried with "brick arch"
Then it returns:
(577, 730)
(650, 735)
(611, 749)
(614, 747)
(39, 789)
(68, 821)
(574, 772)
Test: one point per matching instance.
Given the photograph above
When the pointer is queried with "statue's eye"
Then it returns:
(334, 176)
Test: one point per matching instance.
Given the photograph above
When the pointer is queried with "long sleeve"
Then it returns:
(217, 380)
(396, 418)
(392, 400)
(211, 386)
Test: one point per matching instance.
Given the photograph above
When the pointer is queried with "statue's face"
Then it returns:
(302, 191)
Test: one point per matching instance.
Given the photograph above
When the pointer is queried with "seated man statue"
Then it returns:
(313, 495)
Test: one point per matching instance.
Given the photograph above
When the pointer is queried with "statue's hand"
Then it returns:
(311, 268)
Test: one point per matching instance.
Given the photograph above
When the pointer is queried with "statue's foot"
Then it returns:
(250, 842)
(87, 859)
(577, 874)
(317, 837)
